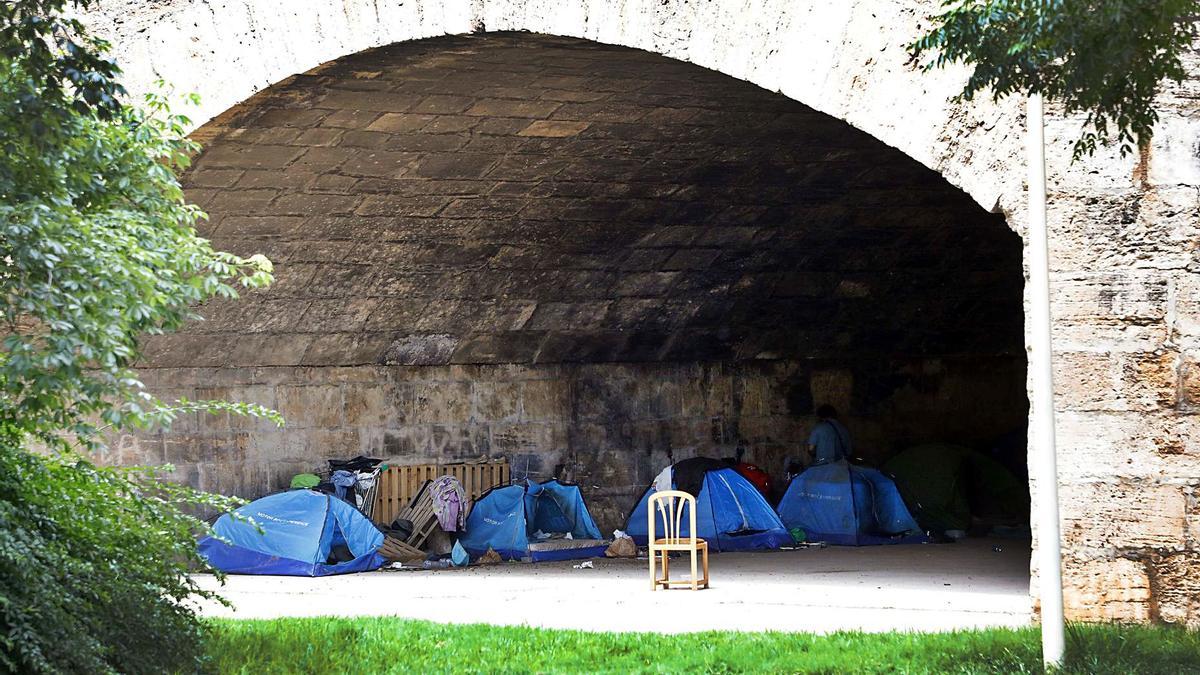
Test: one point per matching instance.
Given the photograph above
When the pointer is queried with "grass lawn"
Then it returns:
(391, 645)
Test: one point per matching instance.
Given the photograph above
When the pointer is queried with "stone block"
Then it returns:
(291, 117)
(500, 347)
(346, 349)
(262, 395)
(322, 160)
(576, 316)
(645, 284)
(212, 178)
(1098, 381)
(1176, 588)
(312, 406)
(381, 101)
(1186, 300)
(1101, 446)
(1111, 298)
(584, 346)
(448, 442)
(1121, 515)
(443, 105)
(455, 165)
(545, 400)
(498, 107)
(691, 259)
(391, 205)
(393, 123)
(834, 387)
(380, 163)
(247, 156)
(554, 128)
(1106, 590)
(397, 314)
(421, 350)
(318, 137)
(1189, 385)
(351, 119)
(441, 402)
(496, 401)
(241, 201)
(313, 204)
(451, 124)
(426, 142)
(364, 139)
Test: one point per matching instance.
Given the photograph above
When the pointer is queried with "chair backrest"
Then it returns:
(669, 506)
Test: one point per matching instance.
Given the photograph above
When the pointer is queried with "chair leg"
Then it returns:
(695, 582)
(666, 565)
(653, 570)
(706, 567)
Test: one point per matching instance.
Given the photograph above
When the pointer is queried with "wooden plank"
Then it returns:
(401, 483)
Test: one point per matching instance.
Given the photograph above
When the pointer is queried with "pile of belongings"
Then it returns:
(843, 503)
(533, 522)
(354, 481)
(294, 533)
(449, 503)
(731, 514)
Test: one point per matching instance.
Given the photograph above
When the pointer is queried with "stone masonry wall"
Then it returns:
(1124, 231)
(609, 427)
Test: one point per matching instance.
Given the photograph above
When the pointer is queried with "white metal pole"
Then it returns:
(1043, 461)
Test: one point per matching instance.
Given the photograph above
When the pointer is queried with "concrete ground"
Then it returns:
(882, 588)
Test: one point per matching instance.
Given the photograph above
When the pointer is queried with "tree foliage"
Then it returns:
(97, 248)
(1105, 59)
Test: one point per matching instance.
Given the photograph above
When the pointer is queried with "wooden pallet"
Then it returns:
(394, 550)
(420, 512)
(396, 487)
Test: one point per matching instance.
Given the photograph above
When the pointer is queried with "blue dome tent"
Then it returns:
(731, 514)
(301, 529)
(842, 503)
(534, 521)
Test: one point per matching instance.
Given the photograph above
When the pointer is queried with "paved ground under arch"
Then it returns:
(882, 588)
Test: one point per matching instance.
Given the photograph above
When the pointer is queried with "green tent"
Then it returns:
(949, 485)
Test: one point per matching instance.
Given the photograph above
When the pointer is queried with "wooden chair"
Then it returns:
(669, 506)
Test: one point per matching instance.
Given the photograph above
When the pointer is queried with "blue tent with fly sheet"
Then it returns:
(843, 503)
(303, 533)
(731, 514)
(533, 521)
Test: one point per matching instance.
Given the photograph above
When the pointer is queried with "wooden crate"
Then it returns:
(399, 484)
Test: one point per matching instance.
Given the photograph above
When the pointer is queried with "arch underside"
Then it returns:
(592, 258)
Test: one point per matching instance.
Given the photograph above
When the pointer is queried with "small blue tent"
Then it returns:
(731, 515)
(300, 529)
(508, 520)
(842, 503)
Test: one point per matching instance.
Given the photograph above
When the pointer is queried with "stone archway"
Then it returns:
(1125, 232)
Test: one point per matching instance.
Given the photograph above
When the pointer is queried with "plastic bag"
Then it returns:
(622, 547)
(458, 555)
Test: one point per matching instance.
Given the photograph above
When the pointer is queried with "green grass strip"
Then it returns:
(392, 645)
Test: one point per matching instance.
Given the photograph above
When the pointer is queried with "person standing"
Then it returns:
(830, 439)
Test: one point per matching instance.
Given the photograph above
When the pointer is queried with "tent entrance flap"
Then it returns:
(535, 521)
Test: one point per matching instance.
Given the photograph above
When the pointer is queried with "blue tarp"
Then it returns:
(842, 503)
(505, 519)
(299, 528)
(731, 515)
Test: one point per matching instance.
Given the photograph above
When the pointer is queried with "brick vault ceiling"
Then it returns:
(520, 198)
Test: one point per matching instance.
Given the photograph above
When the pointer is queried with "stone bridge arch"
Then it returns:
(846, 59)
(1125, 233)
